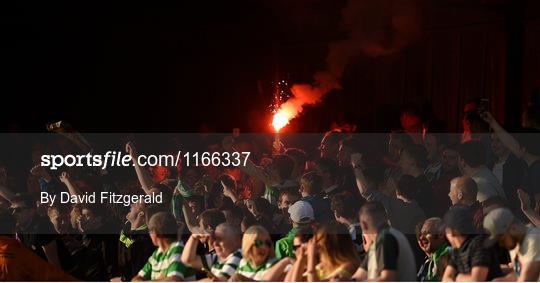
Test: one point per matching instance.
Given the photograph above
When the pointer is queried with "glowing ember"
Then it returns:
(280, 120)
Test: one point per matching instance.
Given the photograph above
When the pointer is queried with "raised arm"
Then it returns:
(228, 192)
(525, 201)
(68, 132)
(4, 191)
(72, 188)
(189, 218)
(312, 261)
(250, 168)
(144, 178)
(361, 183)
(277, 272)
(299, 266)
(189, 254)
(450, 274)
(506, 138)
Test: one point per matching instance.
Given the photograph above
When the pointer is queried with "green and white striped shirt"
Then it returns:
(255, 274)
(163, 264)
(225, 269)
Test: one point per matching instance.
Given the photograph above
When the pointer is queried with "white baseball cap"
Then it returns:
(301, 212)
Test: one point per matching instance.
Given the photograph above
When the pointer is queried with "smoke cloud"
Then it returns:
(374, 28)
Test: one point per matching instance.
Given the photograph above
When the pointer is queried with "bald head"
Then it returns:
(463, 190)
(229, 230)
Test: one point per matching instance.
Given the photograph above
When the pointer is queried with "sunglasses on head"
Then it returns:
(260, 243)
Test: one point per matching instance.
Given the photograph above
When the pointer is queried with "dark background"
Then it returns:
(190, 66)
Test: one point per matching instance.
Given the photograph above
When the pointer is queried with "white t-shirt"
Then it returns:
(528, 250)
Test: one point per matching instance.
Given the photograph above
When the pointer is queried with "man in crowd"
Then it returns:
(521, 241)
(17, 263)
(525, 146)
(463, 191)
(327, 168)
(435, 145)
(441, 187)
(469, 260)
(389, 255)
(412, 161)
(301, 214)
(135, 245)
(433, 243)
(329, 146)
(472, 163)
(34, 231)
(221, 265)
(165, 263)
(311, 192)
(403, 211)
(510, 172)
(345, 210)
(299, 158)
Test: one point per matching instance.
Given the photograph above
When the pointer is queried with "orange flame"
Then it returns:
(280, 120)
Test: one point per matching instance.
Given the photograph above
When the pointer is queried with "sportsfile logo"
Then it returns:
(120, 159)
(109, 159)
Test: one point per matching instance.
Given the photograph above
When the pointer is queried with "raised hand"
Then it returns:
(311, 248)
(130, 149)
(64, 177)
(488, 117)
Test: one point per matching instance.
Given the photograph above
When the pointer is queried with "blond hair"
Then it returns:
(248, 241)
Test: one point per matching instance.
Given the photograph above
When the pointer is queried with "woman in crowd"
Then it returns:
(330, 255)
(258, 255)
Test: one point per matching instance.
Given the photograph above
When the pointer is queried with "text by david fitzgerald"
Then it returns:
(101, 197)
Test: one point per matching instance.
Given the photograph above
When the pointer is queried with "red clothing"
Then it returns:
(17, 263)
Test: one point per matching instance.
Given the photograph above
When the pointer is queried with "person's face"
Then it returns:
(250, 205)
(507, 242)
(60, 222)
(160, 173)
(364, 224)
(328, 149)
(432, 147)
(286, 202)
(297, 243)
(454, 194)
(260, 251)
(411, 123)
(497, 147)
(449, 159)
(451, 237)
(405, 161)
(430, 239)
(154, 238)
(224, 244)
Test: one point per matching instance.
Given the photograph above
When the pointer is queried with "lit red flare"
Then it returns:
(280, 120)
